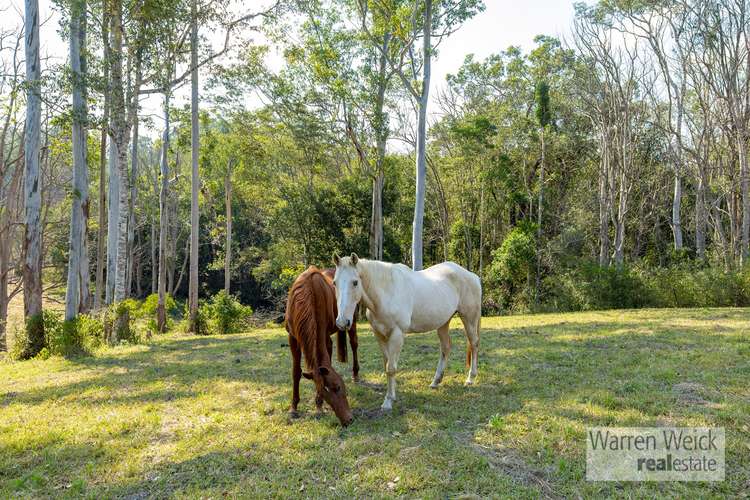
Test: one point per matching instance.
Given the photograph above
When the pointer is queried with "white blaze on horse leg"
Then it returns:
(445, 350)
(393, 351)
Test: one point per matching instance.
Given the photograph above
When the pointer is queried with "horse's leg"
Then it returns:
(471, 326)
(353, 341)
(296, 373)
(445, 350)
(393, 350)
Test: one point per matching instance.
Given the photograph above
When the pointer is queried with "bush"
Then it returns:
(64, 338)
(588, 286)
(223, 314)
(148, 310)
(509, 275)
(121, 317)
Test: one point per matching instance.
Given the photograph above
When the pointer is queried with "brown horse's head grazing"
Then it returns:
(330, 386)
(311, 316)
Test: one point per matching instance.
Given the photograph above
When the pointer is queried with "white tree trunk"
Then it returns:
(745, 194)
(32, 247)
(101, 250)
(421, 168)
(76, 296)
(113, 209)
(676, 203)
(228, 245)
(195, 181)
(121, 136)
(161, 315)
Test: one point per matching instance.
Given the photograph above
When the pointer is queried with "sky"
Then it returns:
(502, 24)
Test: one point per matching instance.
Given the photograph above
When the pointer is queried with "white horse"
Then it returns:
(400, 300)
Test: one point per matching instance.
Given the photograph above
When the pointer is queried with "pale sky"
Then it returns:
(502, 24)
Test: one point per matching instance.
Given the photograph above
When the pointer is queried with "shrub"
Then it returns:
(151, 303)
(589, 286)
(121, 317)
(63, 338)
(512, 266)
(50, 321)
(223, 314)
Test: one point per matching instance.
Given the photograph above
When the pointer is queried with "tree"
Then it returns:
(77, 295)
(543, 117)
(32, 246)
(431, 22)
(195, 180)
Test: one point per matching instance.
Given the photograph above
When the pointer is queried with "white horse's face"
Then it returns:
(348, 289)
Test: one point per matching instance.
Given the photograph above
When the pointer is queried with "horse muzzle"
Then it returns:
(343, 324)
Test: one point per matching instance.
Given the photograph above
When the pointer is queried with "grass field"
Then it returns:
(207, 416)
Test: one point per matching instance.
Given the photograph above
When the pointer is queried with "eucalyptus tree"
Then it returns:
(543, 116)
(77, 294)
(32, 245)
(427, 22)
(612, 74)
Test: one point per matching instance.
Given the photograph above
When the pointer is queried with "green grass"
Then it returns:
(207, 416)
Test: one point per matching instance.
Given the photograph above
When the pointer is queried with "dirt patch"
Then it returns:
(510, 463)
(514, 466)
(693, 394)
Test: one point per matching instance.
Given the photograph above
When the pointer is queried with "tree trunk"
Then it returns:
(121, 136)
(701, 216)
(676, 203)
(131, 208)
(228, 245)
(161, 312)
(8, 217)
(381, 131)
(376, 221)
(100, 242)
(195, 181)
(540, 204)
(112, 218)
(154, 263)
(604, 205)
(76, 296)
(421, 170)
(32, 245)
(745, 194)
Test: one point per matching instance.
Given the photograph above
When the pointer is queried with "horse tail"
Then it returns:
(341, 346)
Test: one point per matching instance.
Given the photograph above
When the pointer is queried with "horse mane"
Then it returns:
(311, 307)
(377, 274)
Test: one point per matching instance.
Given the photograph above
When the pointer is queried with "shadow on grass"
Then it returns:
(578, 371)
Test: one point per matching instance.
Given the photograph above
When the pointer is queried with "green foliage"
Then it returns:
(82, 335)
(509, 274)
(588, 286)
(121, 318)
(223, 314)
(543, 114)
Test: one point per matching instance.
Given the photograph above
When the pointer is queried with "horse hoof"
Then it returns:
(294, 414)
(469, 382)
(434, 385)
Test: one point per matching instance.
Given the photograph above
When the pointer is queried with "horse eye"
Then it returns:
(356, 282)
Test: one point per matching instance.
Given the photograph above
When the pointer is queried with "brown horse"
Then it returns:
(310, 321)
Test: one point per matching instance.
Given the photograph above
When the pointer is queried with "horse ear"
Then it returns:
(336, 259)
(354, 259)
(323, 371)
(307, 375)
